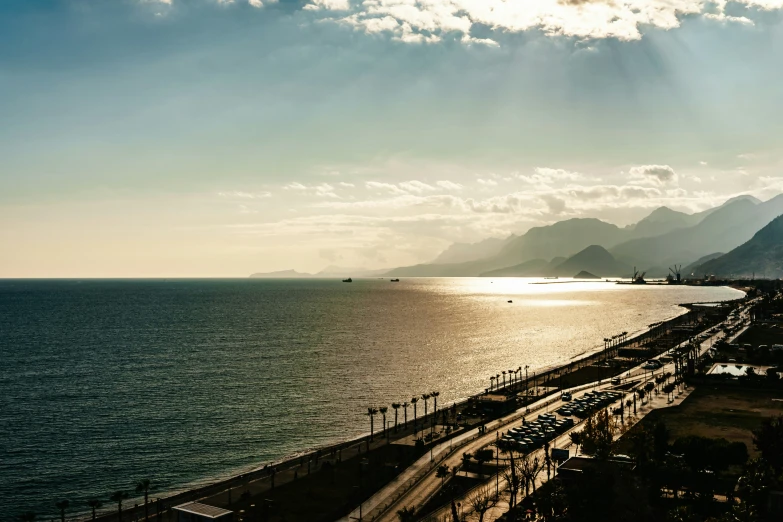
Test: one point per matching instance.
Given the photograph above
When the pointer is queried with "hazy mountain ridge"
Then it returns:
(592, 260)
(467, 252)
(761, 256)
(663, 238)
(561, 239)
(329, 271)
(721, 230)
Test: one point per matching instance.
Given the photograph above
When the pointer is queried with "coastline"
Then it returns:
(212, 486)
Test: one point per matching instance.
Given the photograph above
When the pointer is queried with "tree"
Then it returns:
(395, 407)
(482, 456)
(513, 481)
(425, 397)
(529, 468)
(482, 501)
(383, 410)
(372, 412)
(405, 413)
(143, 486)
(414, 400)
(552, 503)
(62, 506)
(435, 395)
(118, 497)
(576, 439)
(442, 472)
(407, 514)
(598, 435)
(94, 504)
(768, 439)
(660, 441)
(466, 459)
(628, 404)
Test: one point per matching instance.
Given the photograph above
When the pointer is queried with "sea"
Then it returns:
(107, 382)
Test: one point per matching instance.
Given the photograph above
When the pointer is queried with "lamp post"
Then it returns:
(360, 504)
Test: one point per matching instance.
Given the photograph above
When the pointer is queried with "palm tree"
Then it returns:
(442, 473)
(144, 487)
(395, 407)
(510, 378)
(372, 412)
(629, 403)
(118, 497)
(435, 396)
(94, 504)
(62, 506)
(491, 383)
(425, 397)
(504, 378)
(405, 410)
(414, 400)
(383, 410)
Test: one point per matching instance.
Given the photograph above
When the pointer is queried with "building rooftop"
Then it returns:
(203, 510)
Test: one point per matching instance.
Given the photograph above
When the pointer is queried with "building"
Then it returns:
(197, 512)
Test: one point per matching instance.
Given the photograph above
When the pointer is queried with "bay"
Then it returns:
(106, 382)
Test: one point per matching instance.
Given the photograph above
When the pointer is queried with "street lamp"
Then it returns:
(360, 504)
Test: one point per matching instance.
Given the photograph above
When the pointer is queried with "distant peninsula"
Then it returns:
(586, 275)
(281, 274)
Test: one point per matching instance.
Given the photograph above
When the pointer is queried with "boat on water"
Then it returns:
(394, 280)
(349, 280)
(552, 277)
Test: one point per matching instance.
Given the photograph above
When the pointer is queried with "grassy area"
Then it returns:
(716, 412)
(762, 334)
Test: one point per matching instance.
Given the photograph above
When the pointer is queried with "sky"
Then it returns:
(209, 138)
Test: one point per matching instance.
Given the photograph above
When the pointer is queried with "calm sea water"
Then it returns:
(103, 383)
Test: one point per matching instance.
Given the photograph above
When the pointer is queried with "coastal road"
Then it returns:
(420, 484)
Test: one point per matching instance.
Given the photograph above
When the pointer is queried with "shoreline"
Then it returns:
(212, 486)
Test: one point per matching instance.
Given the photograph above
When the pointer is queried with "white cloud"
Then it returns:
(431, 20)
(449, 185)
(347, 185)
(245, 195)
(416, 187)
(322, 190)
(655, 174)
(331, 5)
(487, 182)
(384, 187)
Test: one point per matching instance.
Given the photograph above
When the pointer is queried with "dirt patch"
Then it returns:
(716, 412)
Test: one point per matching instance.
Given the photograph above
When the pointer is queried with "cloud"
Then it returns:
(384, 187)
(330, 5)
(555, 204)
(347, 185)
(432, 20)
(655, 174)
(487, 182)
(245, 195)
(416, 187)
(545, 177)
(321, 190)
(449, 185)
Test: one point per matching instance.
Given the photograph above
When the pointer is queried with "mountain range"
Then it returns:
(663, 238)
(762, 256)
(745, 227)
(329, 271)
